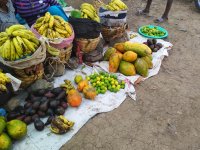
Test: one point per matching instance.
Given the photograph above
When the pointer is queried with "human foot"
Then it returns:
(142, 12)
(161, 20)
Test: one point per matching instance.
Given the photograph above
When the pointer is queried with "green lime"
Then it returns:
(94, 84)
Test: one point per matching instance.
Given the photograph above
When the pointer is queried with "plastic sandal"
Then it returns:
(160, 20)
(141, 12)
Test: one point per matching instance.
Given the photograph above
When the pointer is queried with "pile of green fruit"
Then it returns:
(105, 81)
(152, 31)
(14, 129)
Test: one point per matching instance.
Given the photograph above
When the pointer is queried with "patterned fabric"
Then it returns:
(31, 10)
(7, 18)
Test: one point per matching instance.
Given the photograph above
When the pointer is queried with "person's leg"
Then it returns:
(167, 9)
(166, 13)
(146, 10)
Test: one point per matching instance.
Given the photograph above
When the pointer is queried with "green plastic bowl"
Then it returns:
(153, 37)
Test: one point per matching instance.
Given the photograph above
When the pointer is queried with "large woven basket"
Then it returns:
(87, 45)
(111, 33)
(29, 75)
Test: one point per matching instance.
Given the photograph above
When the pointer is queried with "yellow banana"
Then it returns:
(18, 48)
(42, 28)
(16, 56)
(53, 51)
(3, 40)
(114, 6)
(2, 53)
(6, 49)
(60, 19)
(26, 32)
(57, 34)
(12, 51)
(3, 88)
(47, 17)
(51, 21)
(22, 45)
(45, 33)
(110, 7)
(89, 13)
(120, 4)
(29, 44)
(58, 24)
(39, 20)
(38, 25)
(3, 34)
(13, 28)
(68, 28)
(61, 31)
(88, 6)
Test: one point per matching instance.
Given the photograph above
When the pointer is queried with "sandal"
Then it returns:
(160, 20)
(141, 13)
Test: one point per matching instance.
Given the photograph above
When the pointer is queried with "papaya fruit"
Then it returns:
(127, 68)
(114, 62)
(140, 49)
(120, 54)
(148, 61)
(120, 47)
(141, 67)
(89, 92)
(129, 56)
(82, 84)
(108, 53)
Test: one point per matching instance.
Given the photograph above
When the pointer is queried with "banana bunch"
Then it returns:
(53, 51)
(116, 5)
(60, 125)
(17, 42)
(3, 81)
(67, 86)
(53, 27)
(88, 11)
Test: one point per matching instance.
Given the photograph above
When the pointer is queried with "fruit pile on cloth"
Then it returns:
(103, 103)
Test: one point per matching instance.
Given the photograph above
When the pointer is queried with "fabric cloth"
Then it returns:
(20, 19)
(57, 10)
(31, 10)
(7, 18)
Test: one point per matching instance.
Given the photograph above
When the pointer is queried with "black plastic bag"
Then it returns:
(85, 28)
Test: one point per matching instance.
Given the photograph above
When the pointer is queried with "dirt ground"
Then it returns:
(166, 115)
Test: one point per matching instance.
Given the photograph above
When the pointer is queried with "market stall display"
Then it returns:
(100, 88)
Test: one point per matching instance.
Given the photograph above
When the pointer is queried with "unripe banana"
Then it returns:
(13, 28)
(3, 34)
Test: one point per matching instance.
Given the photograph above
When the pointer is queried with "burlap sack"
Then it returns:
(37, 57)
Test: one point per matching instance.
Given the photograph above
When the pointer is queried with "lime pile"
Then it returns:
(152, 31)
(104, 81)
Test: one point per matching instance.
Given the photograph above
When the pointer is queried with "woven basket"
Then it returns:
(65, 54)
(29, 75)
(87, 45)
(111, 33)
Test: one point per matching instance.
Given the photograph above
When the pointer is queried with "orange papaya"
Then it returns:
(114, 62)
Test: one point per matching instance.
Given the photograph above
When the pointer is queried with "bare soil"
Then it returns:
(166, 115)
